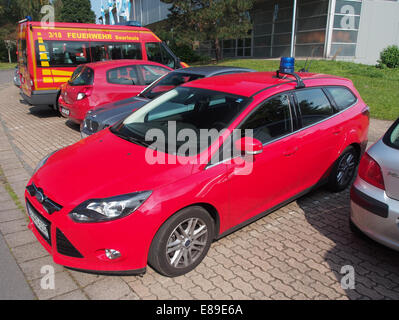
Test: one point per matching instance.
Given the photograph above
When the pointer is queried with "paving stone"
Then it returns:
(10, 215)
(296, 252)
(74, 295)
(32, 268)
(13, 226)
(63, 284)
(110, 288)
(20, 238)
(29, 251)
(84, 279)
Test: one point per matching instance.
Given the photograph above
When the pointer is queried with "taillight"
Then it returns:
(84, 92)
(370, 171)
(366, 111)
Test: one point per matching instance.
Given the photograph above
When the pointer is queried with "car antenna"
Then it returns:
(304, 67)
(287, 66)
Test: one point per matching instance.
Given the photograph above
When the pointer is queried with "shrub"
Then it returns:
(389, 57)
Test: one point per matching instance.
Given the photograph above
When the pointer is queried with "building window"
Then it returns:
(345, 28)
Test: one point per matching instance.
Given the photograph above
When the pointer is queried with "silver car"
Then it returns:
(375, 193)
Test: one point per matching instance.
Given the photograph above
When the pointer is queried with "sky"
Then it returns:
(96, 6)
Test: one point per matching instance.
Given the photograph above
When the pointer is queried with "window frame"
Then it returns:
(294, 122)
(50, 53)
(292, 113)
(141, 66)
(387, 137)
(298, 108)
(161, 46)
(139, 77)
(330, 96)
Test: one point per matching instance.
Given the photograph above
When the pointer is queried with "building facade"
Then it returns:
(355, 30)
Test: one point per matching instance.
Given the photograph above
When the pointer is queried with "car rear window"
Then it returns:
(83, 76)
(343, 97)
(392, 136)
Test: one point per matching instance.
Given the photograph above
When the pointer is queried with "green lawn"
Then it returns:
(4, 65)
(379, 88)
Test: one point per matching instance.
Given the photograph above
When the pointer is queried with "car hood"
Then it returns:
(111, 113)
(100, 166)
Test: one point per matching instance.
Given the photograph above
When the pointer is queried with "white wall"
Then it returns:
(379, 28)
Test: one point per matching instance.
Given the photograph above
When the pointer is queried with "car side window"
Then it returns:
(156, 52)
(123, 75)
(342, 96)
(151, 73)
(314, 106)
(271, 120)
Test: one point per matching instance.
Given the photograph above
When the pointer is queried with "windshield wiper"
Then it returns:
(130, 139)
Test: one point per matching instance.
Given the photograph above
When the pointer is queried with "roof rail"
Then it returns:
(298, 79)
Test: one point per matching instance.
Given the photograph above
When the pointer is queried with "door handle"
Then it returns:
(290, 152)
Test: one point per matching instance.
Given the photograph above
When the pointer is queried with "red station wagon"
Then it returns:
(109, 204)
(97, 83)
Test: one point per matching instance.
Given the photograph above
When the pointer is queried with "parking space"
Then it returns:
(297, 252)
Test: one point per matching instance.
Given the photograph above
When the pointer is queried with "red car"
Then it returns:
(93, 84)
(123, 198)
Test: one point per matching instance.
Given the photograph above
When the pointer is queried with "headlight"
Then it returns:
(98, 210)
(43, 161)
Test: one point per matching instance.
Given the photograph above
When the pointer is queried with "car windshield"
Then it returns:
(180, 116)
(169, 82)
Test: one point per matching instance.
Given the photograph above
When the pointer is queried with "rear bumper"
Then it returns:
(77, 111)
(375, 214)
(38, 98)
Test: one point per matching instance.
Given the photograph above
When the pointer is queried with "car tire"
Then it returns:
(176, 248)
(344, 170)
(55, 106)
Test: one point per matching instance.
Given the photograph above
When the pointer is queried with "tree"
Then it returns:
(30, 8)
(76, 11)
(210, 20)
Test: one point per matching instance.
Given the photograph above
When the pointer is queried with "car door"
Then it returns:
(320, 138)
(273, 175)
(123, 82)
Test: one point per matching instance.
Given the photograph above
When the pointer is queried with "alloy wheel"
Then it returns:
(186, 243)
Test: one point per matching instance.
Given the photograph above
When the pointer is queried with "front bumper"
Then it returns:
(81, 246)
(375, 214)
(91, 126)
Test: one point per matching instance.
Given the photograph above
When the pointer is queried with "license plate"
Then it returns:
(65, 111)
(38, 222)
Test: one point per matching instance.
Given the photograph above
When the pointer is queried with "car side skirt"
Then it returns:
(136, 272)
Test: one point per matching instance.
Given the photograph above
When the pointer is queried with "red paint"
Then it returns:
(101, 91)
(104, 165)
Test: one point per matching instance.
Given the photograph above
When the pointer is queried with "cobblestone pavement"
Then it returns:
(296, 252)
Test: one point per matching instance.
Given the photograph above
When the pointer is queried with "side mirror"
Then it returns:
(249, 146)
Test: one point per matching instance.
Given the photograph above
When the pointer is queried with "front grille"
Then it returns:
(49, 205)
(91, 125)
(65, 247)
(48, 223)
